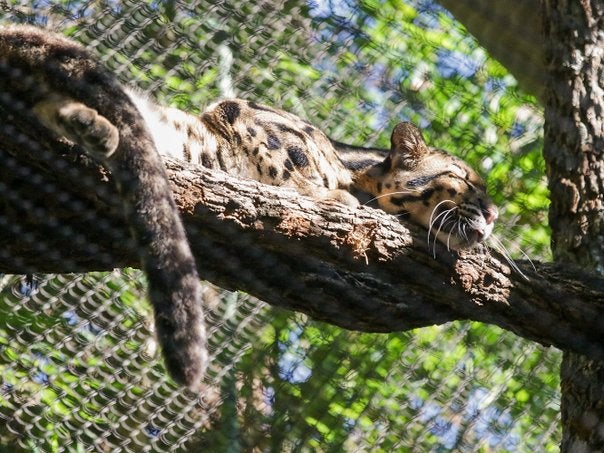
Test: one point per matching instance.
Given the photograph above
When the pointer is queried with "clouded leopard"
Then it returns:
(79, 100)
(427, 185)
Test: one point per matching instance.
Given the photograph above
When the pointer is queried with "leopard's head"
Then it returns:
(432, 188)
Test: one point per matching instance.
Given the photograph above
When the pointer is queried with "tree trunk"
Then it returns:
(574, 147)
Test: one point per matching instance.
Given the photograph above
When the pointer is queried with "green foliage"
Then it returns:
(47, 377)
(439, 389)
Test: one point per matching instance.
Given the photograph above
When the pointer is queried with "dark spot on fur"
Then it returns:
(221, 162)
(427, 193)
(289, 164)
(425, 179)
(420, 181)
(251, 131)
(398, 201)
(259, 168)
(298, 156)
(325, 181)
(424, 197)
(272, 142)
(286, 175)
(272, 171)
(359, 164)
(452, 192)
(231, 111)
(379, 187)
(309, 130)
(206, 160)
(386, 164)
(256, 106)
(255, 151)
(238, 138)
(284, 128)
(186, 151)
(388, 185)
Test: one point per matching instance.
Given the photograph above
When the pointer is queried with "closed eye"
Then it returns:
(425, 179)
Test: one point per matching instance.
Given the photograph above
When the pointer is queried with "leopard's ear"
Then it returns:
(407, 147)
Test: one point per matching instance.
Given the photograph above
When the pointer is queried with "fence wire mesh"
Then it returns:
(79, 365)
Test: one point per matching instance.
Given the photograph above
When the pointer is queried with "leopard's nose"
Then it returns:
(490, 214)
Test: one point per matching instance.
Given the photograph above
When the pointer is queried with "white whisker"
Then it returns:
(449, 239)
(432, 220)
(501, 249)
(445, 214)
(528, 258)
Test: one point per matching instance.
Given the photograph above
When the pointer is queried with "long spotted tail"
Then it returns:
(77, 98)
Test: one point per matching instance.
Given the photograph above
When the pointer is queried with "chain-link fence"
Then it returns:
(80, 370)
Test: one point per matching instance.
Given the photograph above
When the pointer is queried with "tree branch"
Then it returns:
(357, 268)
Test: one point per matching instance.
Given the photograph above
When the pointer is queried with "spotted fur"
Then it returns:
(252, 141)
(423, 184)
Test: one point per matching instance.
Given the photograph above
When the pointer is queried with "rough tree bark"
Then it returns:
(360, 269)
(574, 150)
